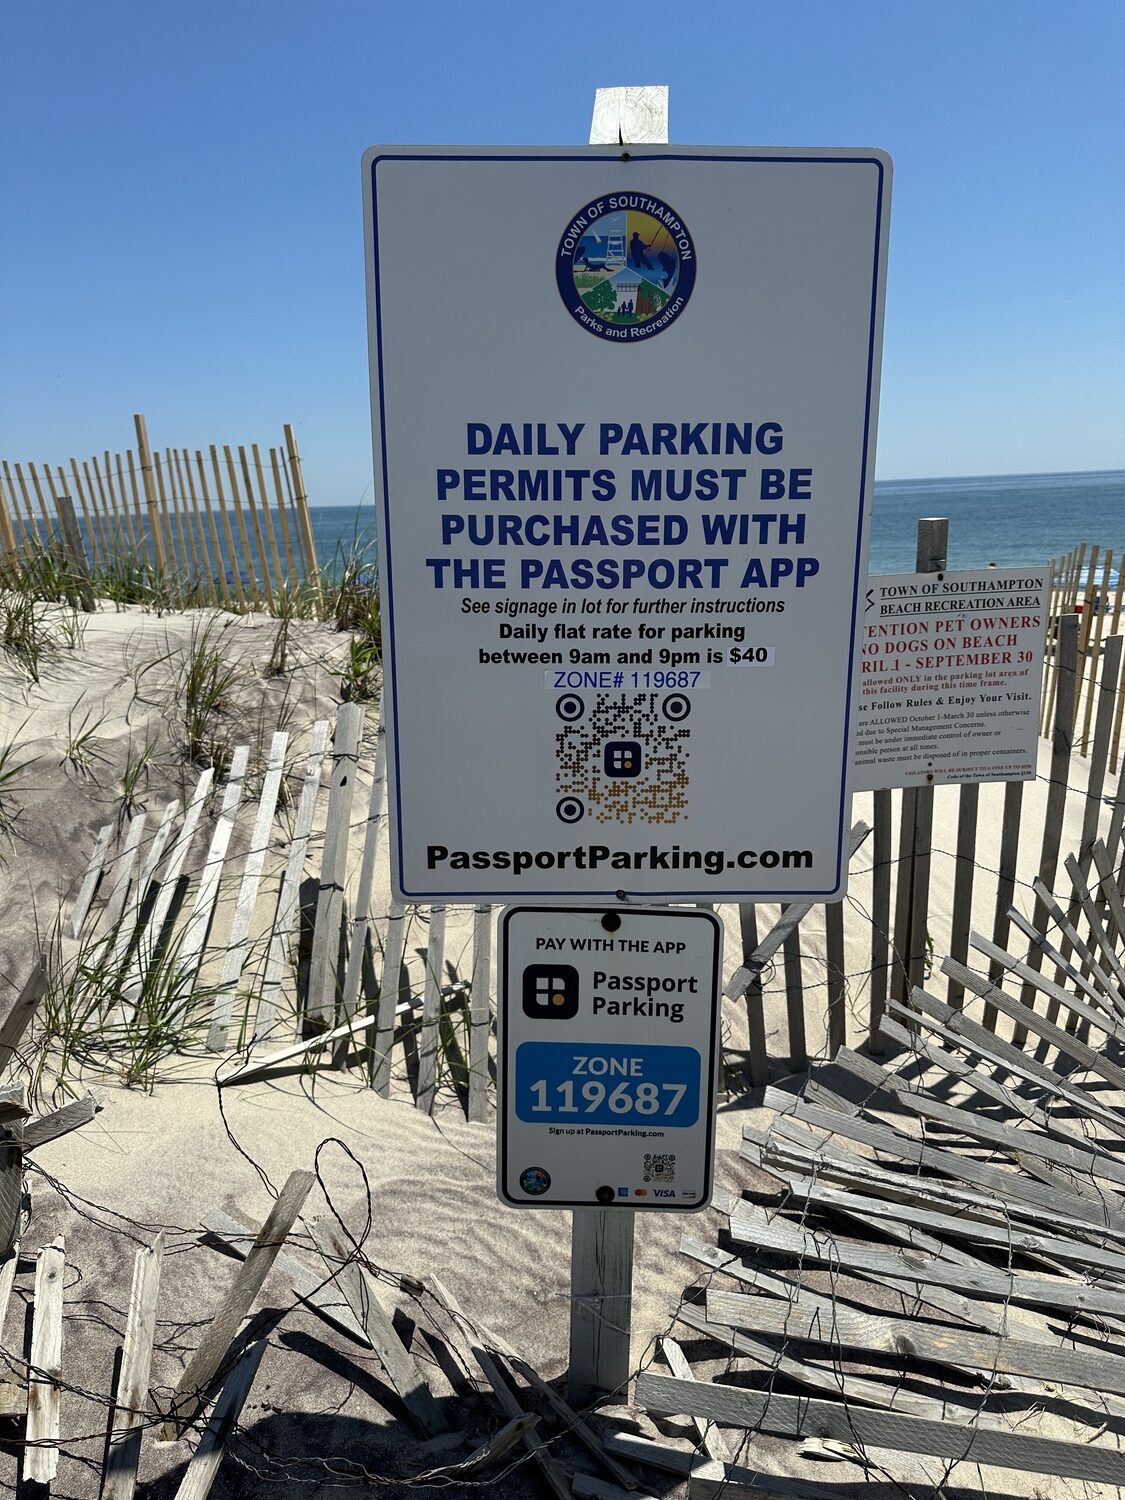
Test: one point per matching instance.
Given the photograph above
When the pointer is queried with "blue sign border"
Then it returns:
(592, 157)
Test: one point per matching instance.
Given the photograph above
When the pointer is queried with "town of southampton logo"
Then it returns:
(625, 266)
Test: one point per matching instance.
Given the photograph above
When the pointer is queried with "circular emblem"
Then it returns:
(535, 1180)
(570, 707)
(676, 707)
(625, 266)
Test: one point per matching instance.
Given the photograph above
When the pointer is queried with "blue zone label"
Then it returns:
(568, 1083)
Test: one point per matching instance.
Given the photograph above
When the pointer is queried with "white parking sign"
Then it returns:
(608, 1055)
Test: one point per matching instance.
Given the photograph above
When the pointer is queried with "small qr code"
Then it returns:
(622, 758)
(660, 1168)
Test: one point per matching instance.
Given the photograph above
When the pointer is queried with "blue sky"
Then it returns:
(181, 212)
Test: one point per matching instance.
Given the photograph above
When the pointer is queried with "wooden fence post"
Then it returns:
(916, 831)
(148, 479)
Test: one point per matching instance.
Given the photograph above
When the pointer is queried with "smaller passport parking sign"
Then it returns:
(608, 1051)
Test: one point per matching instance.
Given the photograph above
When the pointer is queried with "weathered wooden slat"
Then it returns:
(128, 929)
(714, 1444)
(289, 896)
(123, 1450)
(393, 991)
(1015, 1142)
(707, 1479)
(41, 1455)
(307, 1049)
(960, 1030)
(879, 1334)
(308, 1287)
(238, 940)
(125, 864)
(1099, 993)
(190, 951)
(204, 1466)
(837, 976)
(1062, 739)
(1063, 1040)
(965, 868)
(758, 1065)
(554, 1476)
(792, 970)
(753, 1226)
(19, 1018)
(90, 880)
(1107, 880)
(431, 1012)
(880, 915)
(362, 917)
(70, 1117)
(791, 1416)
(480, 1013)
(148, 940)
(1005, 879)
(832, 1382)
(985, 1083)
(630, 116)
(397, 1361)
(959, 1167)
(1111, 963)
(204, 1364)
(324, 980)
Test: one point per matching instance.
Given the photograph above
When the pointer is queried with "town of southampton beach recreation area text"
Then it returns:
(624, 414)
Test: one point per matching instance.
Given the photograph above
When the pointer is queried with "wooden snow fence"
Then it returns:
(226, 527)
(930, 1246)
(1088, 583)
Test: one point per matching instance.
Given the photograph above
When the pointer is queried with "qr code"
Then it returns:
(660, 1168)
(622, 757)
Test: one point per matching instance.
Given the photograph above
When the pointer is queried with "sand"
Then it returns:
(167, 1159)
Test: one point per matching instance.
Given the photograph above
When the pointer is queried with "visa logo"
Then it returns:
(664, 1192)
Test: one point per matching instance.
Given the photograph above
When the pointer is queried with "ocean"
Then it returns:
(1013, 520)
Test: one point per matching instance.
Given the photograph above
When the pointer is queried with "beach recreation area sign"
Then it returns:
(624, 407)
(608, 1035)
(950, 671)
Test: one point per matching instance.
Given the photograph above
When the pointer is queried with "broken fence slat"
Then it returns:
(299, 1049)
(90, 880)
(19, 1018)
(396, 1359)
(553, 1475)
(707, 1479)
(123, 1451)
(792, 1416)
(127, 926)
(208, 1357)
(307, 1286)
(79, 1112)
(239, 937)
(204, 1466)
(41, 1455)
(714, 1444)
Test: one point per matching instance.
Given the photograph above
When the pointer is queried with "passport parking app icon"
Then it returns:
(550, 992)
